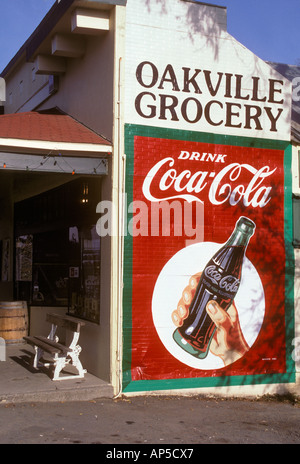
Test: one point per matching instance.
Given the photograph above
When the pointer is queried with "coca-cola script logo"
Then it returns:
(233, 184)
(228, 282)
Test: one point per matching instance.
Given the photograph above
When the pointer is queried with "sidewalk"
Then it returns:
(36, 410)
(151, 425)
(20, 383)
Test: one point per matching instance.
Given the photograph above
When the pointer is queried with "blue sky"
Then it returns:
(269, 28)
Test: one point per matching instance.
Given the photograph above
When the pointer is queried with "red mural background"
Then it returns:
(234, 181)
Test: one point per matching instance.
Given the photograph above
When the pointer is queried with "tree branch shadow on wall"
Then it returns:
(205, 21)
(199, 21)
(162, 2)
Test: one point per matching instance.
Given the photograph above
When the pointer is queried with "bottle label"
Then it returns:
(229, 283)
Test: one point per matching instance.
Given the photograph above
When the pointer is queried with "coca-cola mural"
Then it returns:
(207, 290)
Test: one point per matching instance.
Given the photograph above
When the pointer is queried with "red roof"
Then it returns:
(55, 127)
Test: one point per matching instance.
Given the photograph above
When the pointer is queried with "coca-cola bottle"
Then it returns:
(219, 281)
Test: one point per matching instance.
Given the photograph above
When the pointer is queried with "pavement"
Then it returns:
(19, 382)
(36, 410)
(152, 426)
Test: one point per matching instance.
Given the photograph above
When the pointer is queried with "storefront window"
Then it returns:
(57, 249)
(84, 273)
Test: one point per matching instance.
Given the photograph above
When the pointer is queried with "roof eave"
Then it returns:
(44, 146)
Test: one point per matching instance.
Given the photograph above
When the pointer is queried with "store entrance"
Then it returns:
(57, 249)
(50, 251)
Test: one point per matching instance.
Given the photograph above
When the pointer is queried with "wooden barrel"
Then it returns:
(13, 321)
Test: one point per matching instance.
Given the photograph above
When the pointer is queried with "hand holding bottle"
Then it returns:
(228, 341)
(219, 282)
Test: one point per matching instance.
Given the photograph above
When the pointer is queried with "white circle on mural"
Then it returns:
(174, 277)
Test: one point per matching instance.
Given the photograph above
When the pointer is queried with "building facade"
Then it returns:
(194, 134)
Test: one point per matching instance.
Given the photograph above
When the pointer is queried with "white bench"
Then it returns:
(61, 354)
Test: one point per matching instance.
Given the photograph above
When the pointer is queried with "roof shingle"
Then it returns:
(50, 127)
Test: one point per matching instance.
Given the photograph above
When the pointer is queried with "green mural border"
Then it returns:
(132, 130)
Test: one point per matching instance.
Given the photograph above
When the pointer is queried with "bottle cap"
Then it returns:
(245, 225)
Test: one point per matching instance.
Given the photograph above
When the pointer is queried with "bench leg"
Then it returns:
(60, 363)
(76, 362)
(38, 354)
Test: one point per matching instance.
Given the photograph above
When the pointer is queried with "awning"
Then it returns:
(51, 141)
